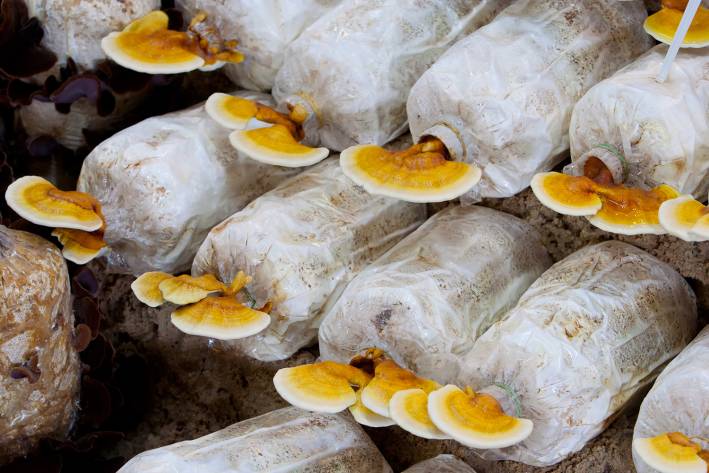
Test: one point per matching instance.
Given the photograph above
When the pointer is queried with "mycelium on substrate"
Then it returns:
(639, 146)
(440, 464)
(345, 79)
(283, 440)
(165, 182)
(484, 120)
(302, 243)
(39, 366)
(583, 339)
(672, 430)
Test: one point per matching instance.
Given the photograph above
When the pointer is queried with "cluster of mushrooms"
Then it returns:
(452, 325)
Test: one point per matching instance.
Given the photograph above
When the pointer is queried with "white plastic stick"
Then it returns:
(678, 39)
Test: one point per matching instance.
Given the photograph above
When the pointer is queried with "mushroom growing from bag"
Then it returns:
(165, 182)
(345, 79)
(283, 440)
(302, 243)
(672, 432)
(587, 336)
(427, 300)
(39, 366)
(662, 25)
(486, 121)
(635, 144)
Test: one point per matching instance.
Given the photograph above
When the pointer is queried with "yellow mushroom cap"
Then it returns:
(230, 111)
(222, 318)
(663, 25)
(146, 288)
(276, 145)
(365, 416)
(186, 289)
(670, 453)
(422, 177)
(475, 420)
(409, 409)
(146, 45)
(322, 387)
(567, 195)
(685, 218)
(37, 200)
(388, 379)
(79, 246)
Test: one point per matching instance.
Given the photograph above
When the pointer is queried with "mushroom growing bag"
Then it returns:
(264, 29)
(585, 337)
(427, 300)
(662, 128)
(165, 182)
(679, 399)
(353, 68)
(441, 464)
(302, 243)
(287, 439)
(502, 97)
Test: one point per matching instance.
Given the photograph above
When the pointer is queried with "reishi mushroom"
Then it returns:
(148, 45)
(302, 243)
(501, 120)
(39, 367)
(663, 24)
(636, 145)
(347, 75)
(77, 215)
(685, 218)
(671, 432)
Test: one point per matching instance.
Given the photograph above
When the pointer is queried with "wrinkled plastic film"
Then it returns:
(507, 90)
(302, 243)
(353, 68)
(165, 182)
(427, 300)
(587, 335)
(679, 399)
(661, 128)
(263, 28)
(283, 440)
(441, 464)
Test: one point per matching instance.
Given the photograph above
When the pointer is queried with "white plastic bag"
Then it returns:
(502, 97)
(263, 28)
(302, 243)
(441, 464)
(287, 440)
(587, 335)
(353, 68)
(427, 300)
(679, 399)
(662, 128)
(165, 182)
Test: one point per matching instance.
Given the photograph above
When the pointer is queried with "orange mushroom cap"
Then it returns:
(222, 318)
(663, 25)
(79, 246)
(685, 218)
(187, 289)
(409, 409)
(146, 288)
(671, 452)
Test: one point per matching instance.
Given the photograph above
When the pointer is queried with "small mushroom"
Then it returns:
(474, 419)
(421, 173)
(79, 246)
(409, 409)
(147, 288)
(186, 289)
(685, 218)
(147, 45)
(611, 207)
(222, 318)
(325, 386)
(672, 452)
(274, 138)
(366, 416)
(663, 24)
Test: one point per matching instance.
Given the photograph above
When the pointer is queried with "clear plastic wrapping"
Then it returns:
(302, 243)
(679, 399)
(502, 97)
(353, 68)
(287, 439)
(587, 335)
(427, 300)
(36, 337)
(662, 128)
(165, 182)
(441, 464)
(264, 28)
